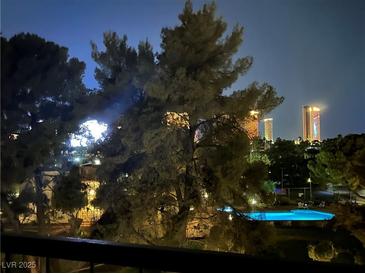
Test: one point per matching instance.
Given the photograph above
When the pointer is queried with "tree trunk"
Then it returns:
(40, 201)
(176, 235)
(75, 224)
(12, 217)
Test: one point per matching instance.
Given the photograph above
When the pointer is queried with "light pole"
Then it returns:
(253, 202)
(310, 188)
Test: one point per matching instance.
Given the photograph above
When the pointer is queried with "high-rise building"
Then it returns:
(311, 123)
(268, 129)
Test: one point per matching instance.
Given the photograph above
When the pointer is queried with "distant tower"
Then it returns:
(268, 129)
(311, 123)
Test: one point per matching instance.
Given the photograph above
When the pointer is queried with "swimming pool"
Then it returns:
(291, 215)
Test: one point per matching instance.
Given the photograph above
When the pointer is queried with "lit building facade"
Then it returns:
(251, 125)
(311, 123)
(268, 129)
(89, 213)
(177, 119)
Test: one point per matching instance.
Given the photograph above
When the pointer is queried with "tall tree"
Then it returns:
(163, 169)
(341, 161)
(70, 196)
(41, 89)
(288, 162)
(121, 73)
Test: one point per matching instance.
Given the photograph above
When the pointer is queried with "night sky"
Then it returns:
(311, 51)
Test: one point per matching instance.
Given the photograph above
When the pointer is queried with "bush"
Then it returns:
(324, 251)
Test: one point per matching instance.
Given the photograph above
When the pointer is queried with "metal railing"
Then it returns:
(154, 258)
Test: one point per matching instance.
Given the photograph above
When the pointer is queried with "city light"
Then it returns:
(97, 162)
(77, 159)
(311, 123)
(91, 131)
(254, 112)
(13, 136)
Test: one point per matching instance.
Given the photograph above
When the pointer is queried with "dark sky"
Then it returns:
(312, 51)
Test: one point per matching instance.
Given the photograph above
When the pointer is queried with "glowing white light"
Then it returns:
(253, 201)
(17, 194)
(92, 132)
(97, 162)
(227, 209)
(77, 159)
(192, 208)
(230, 217)
(13, 136)
(92, 192)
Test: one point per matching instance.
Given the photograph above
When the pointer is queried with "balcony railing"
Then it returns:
(154, 258)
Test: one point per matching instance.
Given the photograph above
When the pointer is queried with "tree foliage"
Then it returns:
(40, 89)
(288, 162)
(41, 104)
(324, 251)
(121, 72)
(69, 196)
(153, 153)
(341, 161)
(69, 192)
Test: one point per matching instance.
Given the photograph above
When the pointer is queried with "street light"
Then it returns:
(310, 188)
(253, 202)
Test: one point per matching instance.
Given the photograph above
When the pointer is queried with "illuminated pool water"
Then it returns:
(291, 215)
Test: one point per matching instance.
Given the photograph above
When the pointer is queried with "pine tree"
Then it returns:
(163, 170)
(70, 196)
(121, 73)
(341, 162)
(41, 91)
